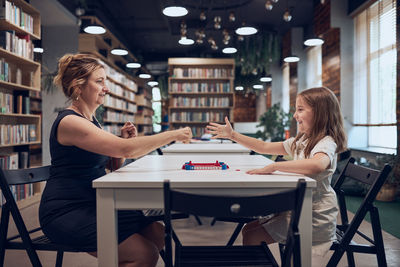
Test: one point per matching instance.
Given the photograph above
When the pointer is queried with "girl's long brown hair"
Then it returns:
(327, 119)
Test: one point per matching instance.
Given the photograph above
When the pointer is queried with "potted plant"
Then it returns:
(274, 122)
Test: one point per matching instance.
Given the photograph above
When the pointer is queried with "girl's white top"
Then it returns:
(324, 202)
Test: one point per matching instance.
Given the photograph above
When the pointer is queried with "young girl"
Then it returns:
(314, 150)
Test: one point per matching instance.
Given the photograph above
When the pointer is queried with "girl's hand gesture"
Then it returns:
(184, 135)
(220, 131)
(266, 170)
(128, 130)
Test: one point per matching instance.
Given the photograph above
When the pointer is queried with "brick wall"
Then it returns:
(245, 107)
(331, 61)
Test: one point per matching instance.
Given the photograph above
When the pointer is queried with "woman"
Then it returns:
(80, 151)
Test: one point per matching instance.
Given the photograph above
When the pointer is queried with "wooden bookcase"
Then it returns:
(201, 90)
(20, 127)
(144, 116)
(120, 103)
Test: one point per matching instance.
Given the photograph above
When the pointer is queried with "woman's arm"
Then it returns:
(318, 163)
(77, 131)
(259, 146)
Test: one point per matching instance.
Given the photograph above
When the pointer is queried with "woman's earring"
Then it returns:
(77, 98)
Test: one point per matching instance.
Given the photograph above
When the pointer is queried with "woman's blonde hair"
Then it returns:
(327, 121)
(74, 71)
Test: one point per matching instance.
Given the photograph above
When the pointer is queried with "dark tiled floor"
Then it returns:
(191, 233)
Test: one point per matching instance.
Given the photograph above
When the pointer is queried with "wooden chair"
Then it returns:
(23, 240)
(233, 206)
(346, 231)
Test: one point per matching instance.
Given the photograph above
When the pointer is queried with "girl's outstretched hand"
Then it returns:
(220, 131)
(128, 130)
(266, 170)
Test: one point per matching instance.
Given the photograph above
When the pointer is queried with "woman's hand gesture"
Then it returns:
(128, 130)
(184, 135)
(220, 131)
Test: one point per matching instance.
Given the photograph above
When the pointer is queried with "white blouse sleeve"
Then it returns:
(327, 146)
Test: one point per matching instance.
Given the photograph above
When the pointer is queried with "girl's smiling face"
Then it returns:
(304, 116)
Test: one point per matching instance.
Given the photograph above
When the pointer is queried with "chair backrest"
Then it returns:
(234, 206)
(374, 178)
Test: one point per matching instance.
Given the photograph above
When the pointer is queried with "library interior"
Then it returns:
(107, 107)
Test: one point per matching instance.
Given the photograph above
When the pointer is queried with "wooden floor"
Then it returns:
(190, 232)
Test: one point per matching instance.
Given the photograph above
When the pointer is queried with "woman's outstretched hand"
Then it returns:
(128, 130)
(220, 131)
(184, 135)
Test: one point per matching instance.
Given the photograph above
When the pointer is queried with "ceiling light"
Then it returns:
(152, 83)
(266, 79)
(119, 51)
(185, 41)
(246, 30)
(94, 29)
(144, 76)
(291, 58)
(175, 11)
(203, 16)
(229, 50)
(314, 41)
(133, 65)
(258, 86)
(268, 5)
(232, 17)
(287, 16)
(38, 50)
(239, 88)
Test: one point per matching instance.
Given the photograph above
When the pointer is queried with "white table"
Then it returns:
(139, 185)
(206, 147)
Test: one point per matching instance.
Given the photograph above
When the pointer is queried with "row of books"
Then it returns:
(118, 90)
(13, 161)
(14, 14)
(117, 103)
(143, 120)
(200, 88)
(119, 77)
(202, 73)
(189, 116)
(13, 75)
(17, 134)
(201, 101)
(112, 116)
(17, 44)
(14, 104)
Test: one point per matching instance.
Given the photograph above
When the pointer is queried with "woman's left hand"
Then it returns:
(128, 130)
(266, 170)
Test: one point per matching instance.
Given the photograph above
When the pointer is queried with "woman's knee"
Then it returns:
(155, 233)
(138, 251)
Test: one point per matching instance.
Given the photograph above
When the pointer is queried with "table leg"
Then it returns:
(107, 242)
(305, 228)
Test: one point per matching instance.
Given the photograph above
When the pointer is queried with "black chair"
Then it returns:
(240, 221)
(24, 241)
(347, 230)
(233, 206)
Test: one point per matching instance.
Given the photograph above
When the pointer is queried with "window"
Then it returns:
(375, 73)
(157, 109)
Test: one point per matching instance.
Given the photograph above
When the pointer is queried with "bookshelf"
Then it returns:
(120, 103)
(201, 90)
(144, 116)
(20, 117)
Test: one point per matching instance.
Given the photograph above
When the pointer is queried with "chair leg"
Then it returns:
(5, 217)
(235, 234)
(198, 220)
(350, 259)
(59, 260)
(213, 221)
(377, 232)
(337, 255)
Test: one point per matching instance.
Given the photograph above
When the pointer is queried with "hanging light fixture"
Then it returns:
(119, 51)
(133, 65)
(239, 88)
(152, 83)
(287, 16)
(94, 29)
(229, 50)
(258, 86)
(232, 17)
(37, 46)
(175, 11)
(185, 41)
(144, 76)
(269, 5)
(291, 59)
(203, 16)
(314, 41)
(266, 78)
(246, 30)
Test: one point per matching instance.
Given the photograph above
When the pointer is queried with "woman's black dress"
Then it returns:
(67, 210)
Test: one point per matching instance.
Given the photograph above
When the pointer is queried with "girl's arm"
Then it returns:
(77, 131)
(259, 146)
(318, 163)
